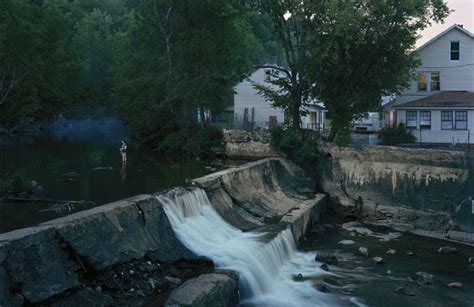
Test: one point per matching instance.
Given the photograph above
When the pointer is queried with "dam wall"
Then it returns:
(117, 253)
(410, 189)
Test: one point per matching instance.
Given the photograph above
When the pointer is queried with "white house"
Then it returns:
(252, 110)
(439, 105)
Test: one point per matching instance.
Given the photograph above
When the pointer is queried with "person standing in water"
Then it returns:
(123, 152)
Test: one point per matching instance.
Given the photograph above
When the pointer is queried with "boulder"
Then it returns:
(324, 266)
(448, 250)
(346, 242)
(326, 257)
(319, 286)
(409, 253)
(470, 260)
(425, 278)
(364, 251)
(218, 289)
(87, 297)
(404, 291)
(41, 265)
(391, 252)
(298, 277)
(455, 285)
(378, 260)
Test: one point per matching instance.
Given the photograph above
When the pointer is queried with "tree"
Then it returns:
(363, 50)
(345, 53)
(291, 21)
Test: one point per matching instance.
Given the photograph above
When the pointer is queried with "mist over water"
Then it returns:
(265, 269)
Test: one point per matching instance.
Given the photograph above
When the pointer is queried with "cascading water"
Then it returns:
(265, 269)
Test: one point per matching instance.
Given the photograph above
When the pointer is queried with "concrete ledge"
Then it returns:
(49, 259)
(218, 289)
(303, 216)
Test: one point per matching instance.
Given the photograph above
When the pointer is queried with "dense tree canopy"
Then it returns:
(159, 61)
(345, 53)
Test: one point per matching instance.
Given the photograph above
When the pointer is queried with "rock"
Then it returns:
(215, 289)
(298, 277)
(325, 257)
(409, 253)
(470, 260)
(39, 263)
(173, 280)
(319, 286)
(425, 278)
(346, 242)
(379, 260)
(86, 297)
(364, 251)
(448, 250)
(404, 291)
(391, 252)
(36, 188)
(352, 225)
(324, 266)
(455, 285)
(332, 280)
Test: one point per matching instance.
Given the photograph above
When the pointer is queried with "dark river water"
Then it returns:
(373, 284)
(78, 168)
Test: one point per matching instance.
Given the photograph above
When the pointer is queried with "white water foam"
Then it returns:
(265, 270)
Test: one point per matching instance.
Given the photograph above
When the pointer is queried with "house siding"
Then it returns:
(436, 134)
(248, 97)
(454, 75)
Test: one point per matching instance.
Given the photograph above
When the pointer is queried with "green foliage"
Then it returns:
(364, 51)
(299, 147)
(394, 135)
(344, 138)
(21, 181)
(203, 142)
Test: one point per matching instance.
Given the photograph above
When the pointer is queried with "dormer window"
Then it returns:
(455, 51)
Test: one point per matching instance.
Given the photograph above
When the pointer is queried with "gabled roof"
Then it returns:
(451, 28)
(448, 99)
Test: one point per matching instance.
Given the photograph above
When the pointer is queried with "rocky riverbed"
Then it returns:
(379, 266)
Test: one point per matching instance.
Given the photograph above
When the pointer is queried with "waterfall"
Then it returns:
(265, 268)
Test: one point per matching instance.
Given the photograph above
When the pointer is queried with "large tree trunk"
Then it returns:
(332, 133)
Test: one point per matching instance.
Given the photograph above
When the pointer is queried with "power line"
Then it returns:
(464, 65)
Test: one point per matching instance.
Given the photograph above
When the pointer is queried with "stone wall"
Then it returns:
(430, 189)
(248, 145)
(59, 258)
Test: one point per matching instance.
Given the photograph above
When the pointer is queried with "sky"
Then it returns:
(463, 13)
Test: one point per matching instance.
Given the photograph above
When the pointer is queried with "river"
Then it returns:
(274, 272)
(80, 160)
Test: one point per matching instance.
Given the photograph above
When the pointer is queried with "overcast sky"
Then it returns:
(463, 13)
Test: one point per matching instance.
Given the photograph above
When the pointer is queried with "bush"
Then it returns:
(299, 147)
(202, 142)
(393, 135)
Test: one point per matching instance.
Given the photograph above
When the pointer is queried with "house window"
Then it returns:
(425, 120)
(422, 82)
(411, 119)
(434, 85)
(429, 82)
(455, 51)
(461, 120)
(446, 120)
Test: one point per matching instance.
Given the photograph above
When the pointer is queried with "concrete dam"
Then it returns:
(245, 220)
(253, 235)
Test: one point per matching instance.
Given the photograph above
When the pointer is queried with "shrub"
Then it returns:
(202, 142)
(299, 147)
(393, 135)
